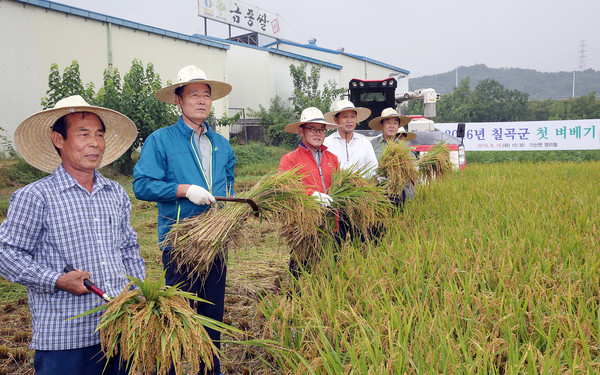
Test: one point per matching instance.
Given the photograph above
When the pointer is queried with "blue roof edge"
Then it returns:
(317, 48)
(206, 40)
(278, 52)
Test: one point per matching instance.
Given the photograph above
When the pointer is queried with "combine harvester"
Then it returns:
(380, 94)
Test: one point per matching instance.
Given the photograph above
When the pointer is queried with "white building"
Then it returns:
(38, 33)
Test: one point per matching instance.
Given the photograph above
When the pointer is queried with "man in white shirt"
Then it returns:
(352, 149)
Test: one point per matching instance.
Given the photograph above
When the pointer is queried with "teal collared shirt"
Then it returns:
(378, 145)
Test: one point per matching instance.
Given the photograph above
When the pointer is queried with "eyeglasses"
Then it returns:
(315, 130)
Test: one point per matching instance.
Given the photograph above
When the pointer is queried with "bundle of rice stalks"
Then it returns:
(435, 163)
(360, 199)
(398, 165)
(196, 241)
(298, 214)
(157, 332)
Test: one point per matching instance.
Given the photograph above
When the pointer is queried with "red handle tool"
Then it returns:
(90, 285)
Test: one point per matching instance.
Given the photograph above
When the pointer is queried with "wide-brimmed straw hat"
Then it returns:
(188, 75)
(32, 137)
(409, 135)
(376, 123)
(310, 115)
(345, 105)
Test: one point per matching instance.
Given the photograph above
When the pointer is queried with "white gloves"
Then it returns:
(323, 199)
(381, 180)
(199, 195)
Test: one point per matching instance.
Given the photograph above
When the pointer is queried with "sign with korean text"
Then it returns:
(242, 15)
(529, 135)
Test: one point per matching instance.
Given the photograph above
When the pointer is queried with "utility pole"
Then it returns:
(581, 54)
(456, 78)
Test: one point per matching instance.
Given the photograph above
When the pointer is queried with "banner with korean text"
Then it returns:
(242, 15)
(529, 135)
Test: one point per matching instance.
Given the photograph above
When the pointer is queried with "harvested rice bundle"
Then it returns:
(435, 163)
(281, 197)
(360, 199)
(305, 246)
(196, 241)
(157, 332)
(398, 165)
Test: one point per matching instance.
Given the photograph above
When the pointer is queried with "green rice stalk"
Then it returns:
(435, 163)
(398, 166)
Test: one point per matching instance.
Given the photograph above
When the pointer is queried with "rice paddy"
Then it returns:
(494, 270)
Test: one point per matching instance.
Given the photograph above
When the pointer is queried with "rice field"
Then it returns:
(494, 270)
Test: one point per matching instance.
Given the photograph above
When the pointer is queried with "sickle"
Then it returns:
(241, 200)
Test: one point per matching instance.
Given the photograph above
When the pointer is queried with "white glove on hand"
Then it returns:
(381, 180)
(323, 199)
(199, 195)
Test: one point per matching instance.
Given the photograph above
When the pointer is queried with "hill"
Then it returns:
(538, 85)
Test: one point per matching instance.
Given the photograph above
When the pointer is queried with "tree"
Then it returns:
(134, 98)
(306, 89)
(67, 85)
(492, 102)
(224, 120)
(489, 102)
(306, 94)
(275, 119)
(139, 104)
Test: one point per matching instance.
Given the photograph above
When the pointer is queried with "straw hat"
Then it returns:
(310, 115)
(188, 75)
(32, 137)
(345, 105)
(409, 135)
(376, 123)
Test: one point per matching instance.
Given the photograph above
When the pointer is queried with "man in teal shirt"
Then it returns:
(389, 123)
(182, 167)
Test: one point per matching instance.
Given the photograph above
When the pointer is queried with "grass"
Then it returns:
(487, 157)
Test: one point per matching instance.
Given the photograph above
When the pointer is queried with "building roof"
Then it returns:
(314, 47)
(208, 40)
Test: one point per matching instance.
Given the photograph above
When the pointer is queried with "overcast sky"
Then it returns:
(424, 37)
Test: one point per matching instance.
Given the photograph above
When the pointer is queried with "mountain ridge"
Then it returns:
(539, 85)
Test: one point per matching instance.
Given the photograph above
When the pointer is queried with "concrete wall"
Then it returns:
(35, 36)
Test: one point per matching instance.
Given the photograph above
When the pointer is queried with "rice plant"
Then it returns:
(154, 328)
(492, 271)
(399, 166)
(362, 200)
(435, 163)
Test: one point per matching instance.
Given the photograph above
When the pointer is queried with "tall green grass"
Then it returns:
(494, 270)
(487, 157)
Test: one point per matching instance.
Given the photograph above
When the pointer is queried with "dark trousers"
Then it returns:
(296, 267)
(213, 290)
(345, 228)
(85, 361)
